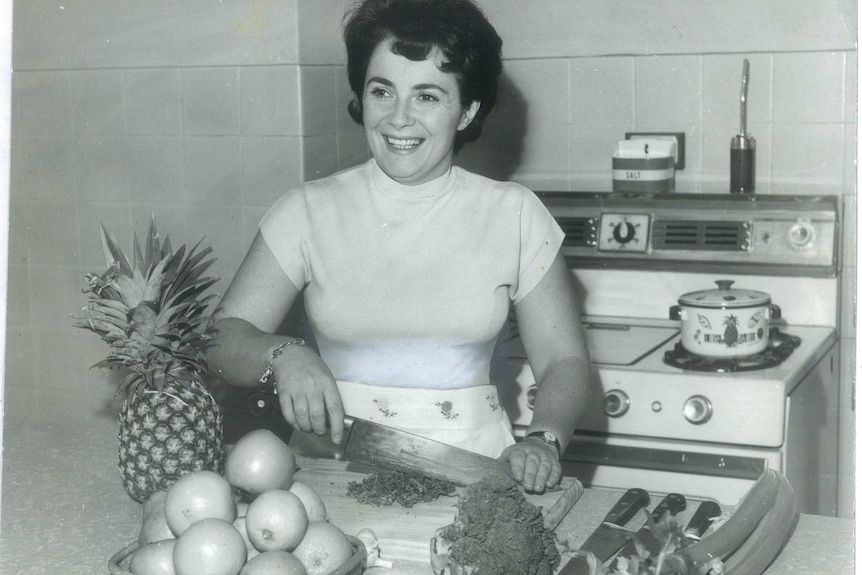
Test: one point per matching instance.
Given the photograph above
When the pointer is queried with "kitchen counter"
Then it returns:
(65, 511)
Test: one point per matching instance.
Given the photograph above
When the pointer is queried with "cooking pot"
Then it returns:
(725, 322)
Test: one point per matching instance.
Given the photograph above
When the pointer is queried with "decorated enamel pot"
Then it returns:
(725, 322)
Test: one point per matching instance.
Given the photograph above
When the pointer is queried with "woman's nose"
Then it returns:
(401, 114)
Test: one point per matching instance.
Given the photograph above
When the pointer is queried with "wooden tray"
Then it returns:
(118, 564)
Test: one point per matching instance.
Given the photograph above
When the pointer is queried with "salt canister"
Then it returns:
(644, 165)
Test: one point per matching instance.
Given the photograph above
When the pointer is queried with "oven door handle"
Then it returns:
(716, 465)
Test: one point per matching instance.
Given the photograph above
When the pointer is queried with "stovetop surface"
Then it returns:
(648, 341)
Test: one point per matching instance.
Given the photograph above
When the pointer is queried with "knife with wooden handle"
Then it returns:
(673, 504)
(610, 535)
(706, 513)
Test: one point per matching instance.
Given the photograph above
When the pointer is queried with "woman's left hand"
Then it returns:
(535, 464)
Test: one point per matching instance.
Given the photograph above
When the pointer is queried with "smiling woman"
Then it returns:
(409, 266)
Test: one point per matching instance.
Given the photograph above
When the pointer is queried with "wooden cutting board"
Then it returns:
(403, 533)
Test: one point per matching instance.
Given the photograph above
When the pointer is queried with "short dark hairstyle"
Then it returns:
(470, 44)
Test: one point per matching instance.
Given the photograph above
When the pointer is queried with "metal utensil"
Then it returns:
(742, 146)
(673, 503)
(611, 535)
(377, 445)
(706, 513)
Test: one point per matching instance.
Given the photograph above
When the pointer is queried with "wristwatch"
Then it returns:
(548, 438)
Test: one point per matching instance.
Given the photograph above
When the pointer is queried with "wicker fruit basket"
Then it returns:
(118, 564)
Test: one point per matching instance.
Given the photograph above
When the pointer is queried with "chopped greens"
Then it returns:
(498, 532)
(385, 488)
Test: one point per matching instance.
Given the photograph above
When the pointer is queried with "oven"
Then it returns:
(666, 419)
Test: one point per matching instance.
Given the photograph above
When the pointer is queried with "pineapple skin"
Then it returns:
(166, 434)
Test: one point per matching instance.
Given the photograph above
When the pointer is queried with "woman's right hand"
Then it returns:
(308, 394)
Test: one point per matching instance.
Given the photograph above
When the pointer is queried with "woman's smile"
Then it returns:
(403, 144)
(411, 113)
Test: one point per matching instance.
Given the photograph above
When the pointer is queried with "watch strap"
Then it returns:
(548, 438)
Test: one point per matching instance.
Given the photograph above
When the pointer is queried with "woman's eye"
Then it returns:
(378, 93)
(428, 98)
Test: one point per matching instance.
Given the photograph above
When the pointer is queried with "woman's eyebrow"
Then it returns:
(385, 82)
(378, 80)
(430, 87)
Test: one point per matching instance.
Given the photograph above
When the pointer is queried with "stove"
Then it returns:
(670, 420)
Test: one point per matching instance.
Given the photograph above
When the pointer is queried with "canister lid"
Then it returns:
(725, 297)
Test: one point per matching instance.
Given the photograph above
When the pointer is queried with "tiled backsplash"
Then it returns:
(209, 136)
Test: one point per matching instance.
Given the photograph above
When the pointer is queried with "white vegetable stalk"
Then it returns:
(372, 549)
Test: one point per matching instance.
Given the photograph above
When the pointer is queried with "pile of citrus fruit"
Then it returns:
(277, 526)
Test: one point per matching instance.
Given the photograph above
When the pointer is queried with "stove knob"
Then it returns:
(697, 409)
(531, 396)
(624, 232)
(801, 235)
(616, 403)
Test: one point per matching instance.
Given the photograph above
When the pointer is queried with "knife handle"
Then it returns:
(673, 504)
(628, 505)
(702, 519)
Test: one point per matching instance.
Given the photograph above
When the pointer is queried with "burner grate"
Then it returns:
(780, 347)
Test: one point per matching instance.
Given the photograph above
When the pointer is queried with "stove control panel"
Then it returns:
(761, 235)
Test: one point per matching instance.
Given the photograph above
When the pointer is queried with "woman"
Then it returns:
(409, 265)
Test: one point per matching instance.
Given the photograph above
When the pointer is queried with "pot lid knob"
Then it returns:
(724, 284)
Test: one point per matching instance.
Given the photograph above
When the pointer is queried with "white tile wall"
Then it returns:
(211, 101)
(270, 101)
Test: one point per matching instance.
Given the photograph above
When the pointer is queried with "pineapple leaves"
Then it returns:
(151, 310)
(114, 256)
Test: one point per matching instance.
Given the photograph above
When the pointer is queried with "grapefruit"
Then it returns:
(323, 549)
(198, 495)
(260, 461)
(209, 547)
(311, 500)
(154, 523)
(276, 520)
(274, 563)
(239, 525)
(154, 559)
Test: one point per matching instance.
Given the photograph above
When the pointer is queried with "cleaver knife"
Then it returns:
(673, 504)
(610, 535)
(706, 513)
(377, 445)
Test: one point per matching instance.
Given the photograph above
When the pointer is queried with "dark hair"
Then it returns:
(469, 43)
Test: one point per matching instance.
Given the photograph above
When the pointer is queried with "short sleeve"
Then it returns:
(284, 228)
(541, 238)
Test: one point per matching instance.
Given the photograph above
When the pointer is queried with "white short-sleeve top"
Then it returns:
(409, 286)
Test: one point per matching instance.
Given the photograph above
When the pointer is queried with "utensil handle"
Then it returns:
(563, 505)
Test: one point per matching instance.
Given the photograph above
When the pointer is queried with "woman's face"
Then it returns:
(411, 113)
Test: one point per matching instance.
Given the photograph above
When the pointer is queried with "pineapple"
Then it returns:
(731, 333)
(150, 312)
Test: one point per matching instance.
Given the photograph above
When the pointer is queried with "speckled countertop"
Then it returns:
(64, 510)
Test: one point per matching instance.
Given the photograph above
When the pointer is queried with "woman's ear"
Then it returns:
(468, 115)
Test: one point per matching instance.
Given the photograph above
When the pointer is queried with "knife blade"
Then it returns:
(673, 503)
(610, 535)
(377, 445)
(703, 517)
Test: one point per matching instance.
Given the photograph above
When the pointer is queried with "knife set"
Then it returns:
(612, 537)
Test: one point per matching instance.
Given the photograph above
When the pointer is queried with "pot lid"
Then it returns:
(725, 297)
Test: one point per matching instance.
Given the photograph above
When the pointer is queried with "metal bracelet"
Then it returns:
(269, 371)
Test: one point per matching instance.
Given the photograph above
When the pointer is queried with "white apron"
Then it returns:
(471, 418)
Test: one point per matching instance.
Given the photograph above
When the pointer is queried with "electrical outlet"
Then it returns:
(679, 161)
